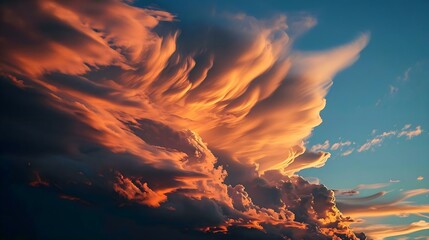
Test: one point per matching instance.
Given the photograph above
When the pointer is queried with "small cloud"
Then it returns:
(386, 134)
(402, 238)
(378, 102)
(406, 126)
(313, 180)
(393, 89)
(394, 181)
(421, 237)
(338, 145)
(369, 144)
(372, 186)
(376, 141)
(382, 231)
(320, 146)
(346, 192)
(419, 178)
(348, 152)
(406, 75)
(410, 133)
(354, 191)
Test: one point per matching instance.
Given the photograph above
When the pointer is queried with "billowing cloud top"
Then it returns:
(109, 105)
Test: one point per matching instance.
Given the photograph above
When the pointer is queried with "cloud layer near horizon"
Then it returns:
(106, 104)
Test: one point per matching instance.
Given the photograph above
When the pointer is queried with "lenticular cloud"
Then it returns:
(111, 112)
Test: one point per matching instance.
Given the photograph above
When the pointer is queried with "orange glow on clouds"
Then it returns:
(254, 98)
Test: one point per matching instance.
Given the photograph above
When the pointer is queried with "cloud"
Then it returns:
(138, 191)
(372, 186)
(421, 237)
(410, 133)
(406, 75)
(347, 152)
(338, 145)
(199, 92)
(384, 231)
(69, 37)
(386, 134)
(110, 111)
(320, 146)
(307, 160)
(354, 191)
(357, 208)
(420, 178)
(393, 89)
(376, 141)
(369, 144)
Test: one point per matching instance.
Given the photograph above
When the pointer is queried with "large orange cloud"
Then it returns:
(158, 108)
(258, 101)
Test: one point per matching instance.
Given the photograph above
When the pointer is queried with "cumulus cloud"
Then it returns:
(110, 110)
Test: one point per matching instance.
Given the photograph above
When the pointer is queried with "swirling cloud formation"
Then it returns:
(109, 111)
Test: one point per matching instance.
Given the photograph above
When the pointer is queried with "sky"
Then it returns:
(214, 119)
